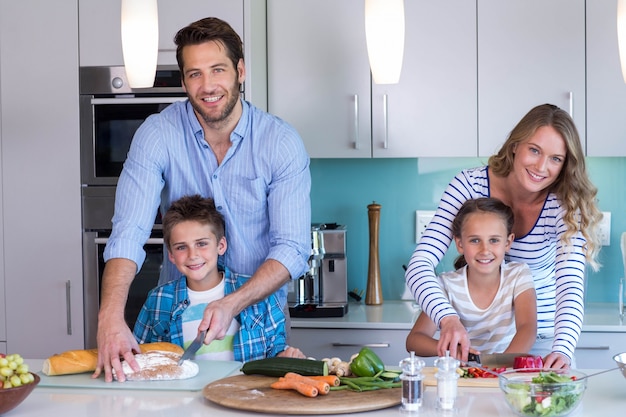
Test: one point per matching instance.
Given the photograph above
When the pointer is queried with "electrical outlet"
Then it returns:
(422, 218)
(605, 228)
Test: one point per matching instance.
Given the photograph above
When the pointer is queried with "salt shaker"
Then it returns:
(446, 381)
(412, 382)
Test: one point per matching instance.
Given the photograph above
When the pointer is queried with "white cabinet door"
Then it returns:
(41, 201)
(319, 80)
(432, 111)
(318, 74)
(389, 345)
(596, 349)
(100, 26)
(530, 52)
(606, 89)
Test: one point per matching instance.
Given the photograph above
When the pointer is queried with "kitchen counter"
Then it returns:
(400, 315)
(606, 395)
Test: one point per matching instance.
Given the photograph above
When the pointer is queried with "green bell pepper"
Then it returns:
(366, 363)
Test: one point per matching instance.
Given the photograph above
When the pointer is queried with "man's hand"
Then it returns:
(556, 360)
(115, 340)
(453, 338)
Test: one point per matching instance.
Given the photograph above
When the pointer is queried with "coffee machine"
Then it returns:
(323, 290)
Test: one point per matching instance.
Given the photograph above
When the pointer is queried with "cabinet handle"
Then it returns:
(571, 104)
(386, 121)
(370, 345)
(68, 302)
(356, 121)
(592, 347)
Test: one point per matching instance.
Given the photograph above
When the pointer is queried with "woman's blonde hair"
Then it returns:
(573, 187)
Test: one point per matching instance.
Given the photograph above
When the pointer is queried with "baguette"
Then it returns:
(79, 361)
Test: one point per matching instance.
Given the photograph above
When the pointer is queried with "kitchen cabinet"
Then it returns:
(596, 349)
(100, 27)
(606, 89)
(319, 80)
(41, 206)
(101, 39)
(530, 52)
(389, 345)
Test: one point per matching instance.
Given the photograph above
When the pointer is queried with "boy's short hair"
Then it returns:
(193, 208)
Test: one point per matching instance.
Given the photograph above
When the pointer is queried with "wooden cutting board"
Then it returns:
(253, 393)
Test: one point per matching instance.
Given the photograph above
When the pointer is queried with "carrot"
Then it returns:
(332, 380)
(303, 388)
(322, 386)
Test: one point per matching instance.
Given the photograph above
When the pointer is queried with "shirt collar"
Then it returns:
(237, 134)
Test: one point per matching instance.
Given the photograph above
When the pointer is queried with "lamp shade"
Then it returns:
(384, 32)
(621, 34)
(140, 41)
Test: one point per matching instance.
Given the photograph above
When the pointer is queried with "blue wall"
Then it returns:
(342, 189)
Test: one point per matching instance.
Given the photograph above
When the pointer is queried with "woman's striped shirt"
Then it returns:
(558, 270)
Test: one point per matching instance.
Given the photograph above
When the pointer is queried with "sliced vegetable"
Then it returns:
(529, 361)
(366, 363)
(280, 366)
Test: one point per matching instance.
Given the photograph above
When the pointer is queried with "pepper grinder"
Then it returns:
(374, 294)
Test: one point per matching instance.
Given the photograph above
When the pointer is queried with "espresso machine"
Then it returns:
(323, 290)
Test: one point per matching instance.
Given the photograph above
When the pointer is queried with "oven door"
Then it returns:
(107, 126)
(145, 280)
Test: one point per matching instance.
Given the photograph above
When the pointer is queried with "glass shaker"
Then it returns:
(412, 382)
(446, 381)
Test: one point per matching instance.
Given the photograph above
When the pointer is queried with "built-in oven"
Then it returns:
(110, 113)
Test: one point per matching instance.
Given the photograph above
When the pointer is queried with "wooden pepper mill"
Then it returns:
(374, 294)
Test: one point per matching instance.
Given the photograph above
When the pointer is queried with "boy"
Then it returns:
(193, 231)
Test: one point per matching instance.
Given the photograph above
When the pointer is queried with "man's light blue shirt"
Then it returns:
(262, 188)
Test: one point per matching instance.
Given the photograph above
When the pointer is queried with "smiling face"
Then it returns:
(539, 160)
(212, 83)
(483, 242)
(194, 249)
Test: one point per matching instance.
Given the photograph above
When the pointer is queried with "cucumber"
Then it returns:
(280, 366)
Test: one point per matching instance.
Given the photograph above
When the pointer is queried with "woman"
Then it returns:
(540, 173)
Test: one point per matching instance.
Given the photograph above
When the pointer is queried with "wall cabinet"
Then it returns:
(319, 80)
(596, 349)
(42, 306)
(100, 27)
(530, 52)
(606, 89)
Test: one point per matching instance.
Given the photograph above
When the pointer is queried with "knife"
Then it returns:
(193, 347)
(496, 360)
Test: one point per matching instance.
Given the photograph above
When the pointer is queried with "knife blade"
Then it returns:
(193, 347)
(496, 360)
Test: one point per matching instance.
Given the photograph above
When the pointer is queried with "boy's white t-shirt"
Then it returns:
(218, 349)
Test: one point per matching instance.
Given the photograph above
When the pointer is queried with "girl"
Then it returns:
(496, 301)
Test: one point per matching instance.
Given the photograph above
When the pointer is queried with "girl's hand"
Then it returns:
(292, 352)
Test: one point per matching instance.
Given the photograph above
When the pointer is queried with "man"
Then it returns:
(215, 144)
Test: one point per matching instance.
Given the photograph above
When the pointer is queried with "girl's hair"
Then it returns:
(572, 187)
(206, 30)
(480, 205)
(194, 208)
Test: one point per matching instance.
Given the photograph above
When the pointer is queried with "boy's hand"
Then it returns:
(292, 352)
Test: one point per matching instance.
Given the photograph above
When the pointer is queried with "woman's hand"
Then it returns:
(453, 338)
(556, 360)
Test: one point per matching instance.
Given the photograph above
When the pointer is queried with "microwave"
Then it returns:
(111, 112)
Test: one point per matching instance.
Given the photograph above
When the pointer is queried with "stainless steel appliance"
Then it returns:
(110, 113)
(323, 290)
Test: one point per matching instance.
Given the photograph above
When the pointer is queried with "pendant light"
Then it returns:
(140, 41)
(384, 32)
(621, 34)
